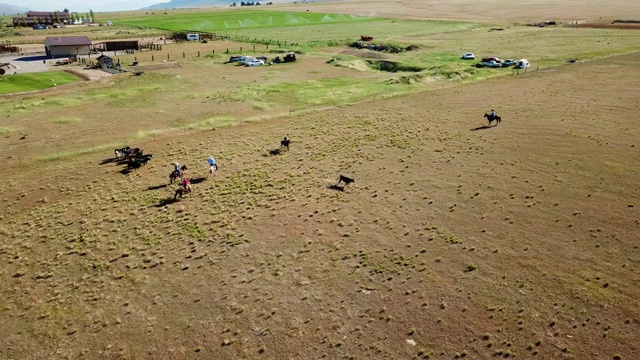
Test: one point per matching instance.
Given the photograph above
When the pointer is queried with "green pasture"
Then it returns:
(34, 81)
(311, 29)
(235, 20)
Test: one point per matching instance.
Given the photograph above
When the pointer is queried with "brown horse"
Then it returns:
(174, 175)
(182, 191)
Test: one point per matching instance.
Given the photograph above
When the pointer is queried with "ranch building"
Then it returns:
(117, 45)
(41, 17)
(67, 46)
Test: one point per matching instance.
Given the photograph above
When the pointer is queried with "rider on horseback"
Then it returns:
(176, 169)
(212, 162)
(186, 184)
(493, 113)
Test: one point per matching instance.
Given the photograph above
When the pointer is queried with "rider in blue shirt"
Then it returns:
(176, 168)
(212, 162)
(493, 113)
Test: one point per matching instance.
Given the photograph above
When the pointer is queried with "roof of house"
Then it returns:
(103, 57)
(47, 13)
(67, 40)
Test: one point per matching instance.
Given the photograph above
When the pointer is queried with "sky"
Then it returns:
(82, 6)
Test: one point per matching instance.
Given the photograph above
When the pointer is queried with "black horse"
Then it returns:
(285, 143)
(492, 118)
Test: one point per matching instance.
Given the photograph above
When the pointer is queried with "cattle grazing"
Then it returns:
(122, 152)
(143, 159)
(132, 164)
(345, 180)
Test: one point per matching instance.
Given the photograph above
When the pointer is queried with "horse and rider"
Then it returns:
(213, 167)
(178, 172)
(493, 117)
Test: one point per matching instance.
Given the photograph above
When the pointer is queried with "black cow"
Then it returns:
(346, 180)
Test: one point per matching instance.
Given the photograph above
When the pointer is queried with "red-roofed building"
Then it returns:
(42, 17)
(67, 45)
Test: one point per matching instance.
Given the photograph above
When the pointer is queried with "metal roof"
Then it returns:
(67, 41)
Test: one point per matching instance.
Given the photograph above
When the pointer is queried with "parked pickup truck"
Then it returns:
(64, 62)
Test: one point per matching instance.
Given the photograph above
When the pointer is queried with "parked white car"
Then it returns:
(254, 62)
(468, 56)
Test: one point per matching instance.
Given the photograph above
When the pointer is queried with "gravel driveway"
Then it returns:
(28, 63)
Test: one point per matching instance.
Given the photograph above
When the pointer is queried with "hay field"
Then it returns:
(481, 10)
(457, 240)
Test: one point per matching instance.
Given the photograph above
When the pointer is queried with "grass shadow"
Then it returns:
(107, 161)
(167, 201)
(157, 187)
(198, 180)
(482, 127)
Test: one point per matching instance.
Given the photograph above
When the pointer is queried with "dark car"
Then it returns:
(508, 62)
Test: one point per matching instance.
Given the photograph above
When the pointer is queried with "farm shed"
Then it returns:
(67, 45)
(104, 61)
(118, 45)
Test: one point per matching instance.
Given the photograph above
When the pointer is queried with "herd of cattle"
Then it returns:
(134, 156)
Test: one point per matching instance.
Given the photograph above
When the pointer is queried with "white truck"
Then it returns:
(193, 37)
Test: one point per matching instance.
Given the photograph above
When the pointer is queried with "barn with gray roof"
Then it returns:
(57, 46)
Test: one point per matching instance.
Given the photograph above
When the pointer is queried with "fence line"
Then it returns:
(142, 57)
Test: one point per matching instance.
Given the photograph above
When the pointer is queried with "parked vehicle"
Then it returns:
(468, 56)
(508, 62)
(489, 64)
(254, 62)
(522, 64)
(487, 59)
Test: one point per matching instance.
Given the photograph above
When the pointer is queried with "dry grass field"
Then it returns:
(481, 10)
(457, 239)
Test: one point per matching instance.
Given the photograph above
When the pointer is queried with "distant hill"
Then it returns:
(6, 9)
(190, 3)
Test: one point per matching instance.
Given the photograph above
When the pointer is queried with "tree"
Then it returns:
(91, 16)
(56, 18)
(65, 10)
